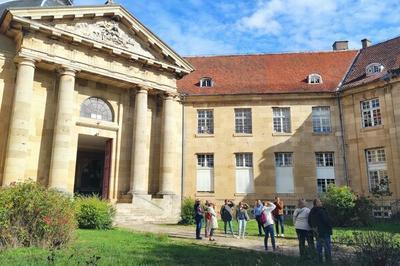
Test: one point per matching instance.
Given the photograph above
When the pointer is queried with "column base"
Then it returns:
(137, 192)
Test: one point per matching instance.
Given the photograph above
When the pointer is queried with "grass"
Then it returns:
(121, 247)
(290, 232)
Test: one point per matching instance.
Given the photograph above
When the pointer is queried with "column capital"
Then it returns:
(25, 60)
(66, 70)
(142, 89)
(170, 96)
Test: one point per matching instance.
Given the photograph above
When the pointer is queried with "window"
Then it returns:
(314, 79)
(288, 210)
(205, 122)
(373, 68)
(323, 184)
(96, 108)
(244, 173)
(325, 170)
(205, 172)
(284, 159)
(284, 172)
(377, 169)
(206, 82)
(371, 113)
(382, 212)
(281, 120)
(321, 118)
(243, 122)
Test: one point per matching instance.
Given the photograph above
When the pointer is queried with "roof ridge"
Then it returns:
(383, 42)
(278, 53)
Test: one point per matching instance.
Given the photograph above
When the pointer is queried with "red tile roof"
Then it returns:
(267, 73)
(386, 53)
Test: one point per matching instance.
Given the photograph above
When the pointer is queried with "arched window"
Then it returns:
(206, 82)
(373, 68)
(96, 108)
(314, 79)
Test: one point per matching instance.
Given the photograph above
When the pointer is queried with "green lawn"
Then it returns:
(120, 247)
(290, 232)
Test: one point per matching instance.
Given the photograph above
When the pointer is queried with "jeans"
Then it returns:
(269, 230)
(230, 226)
(324, 242)
(260, 225)
(302, 236)
(198, 226)
(242, 228)
(279, 221)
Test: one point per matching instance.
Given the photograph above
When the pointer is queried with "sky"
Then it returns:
(214, 27)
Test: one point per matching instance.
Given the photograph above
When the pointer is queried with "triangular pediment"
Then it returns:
(111, 28)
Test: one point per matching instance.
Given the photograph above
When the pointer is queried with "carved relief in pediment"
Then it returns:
(109, 32)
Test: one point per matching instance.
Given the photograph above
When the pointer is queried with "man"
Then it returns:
(278, 217)
(322, 226)
(198, 217)
(227, 215)
(258, 208)
(207, 216)
(269, 225)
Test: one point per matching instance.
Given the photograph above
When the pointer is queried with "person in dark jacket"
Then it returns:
(198, 217)
(227, 215)
(321, 224)
(258, 209)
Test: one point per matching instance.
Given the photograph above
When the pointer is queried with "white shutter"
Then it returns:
(284, 180)
(205, 179)
(244, 180)
(325, 172)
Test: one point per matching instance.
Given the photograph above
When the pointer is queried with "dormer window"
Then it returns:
(373, 68)
(206, 82)
(314, 79)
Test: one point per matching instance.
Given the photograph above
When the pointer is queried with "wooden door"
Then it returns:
(107, 169)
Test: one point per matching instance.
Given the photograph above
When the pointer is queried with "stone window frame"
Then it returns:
(244, 160)
(281, 120)
(321, 119)
(206, 82)
(373, 68)
(205, 121)
(371, 115)
(325, 159)
(314, 78)
(96, 108)
(376, 168)
(243, 121)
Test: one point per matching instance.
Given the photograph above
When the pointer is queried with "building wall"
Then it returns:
(7, 76)
(358, 139)
(263, 143)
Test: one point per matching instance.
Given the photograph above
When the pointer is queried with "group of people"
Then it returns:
(309, 224)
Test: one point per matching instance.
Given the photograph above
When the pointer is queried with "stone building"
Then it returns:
(89, 104)
(91, 101)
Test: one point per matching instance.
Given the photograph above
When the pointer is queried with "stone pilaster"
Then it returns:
(169, 146)
(18, 138)
(61, 176)
(140, 149)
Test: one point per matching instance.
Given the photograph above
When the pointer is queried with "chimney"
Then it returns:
(365, 43)
(340, 45)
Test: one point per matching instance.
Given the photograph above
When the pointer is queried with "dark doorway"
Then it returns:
(93, 161)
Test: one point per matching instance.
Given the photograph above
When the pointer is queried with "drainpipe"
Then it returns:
(346, 176)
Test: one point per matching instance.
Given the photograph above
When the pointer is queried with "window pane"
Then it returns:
(205, 122)
(321, 118)
(371, 113)
(243, 121)
(96, 108)
(281, 120)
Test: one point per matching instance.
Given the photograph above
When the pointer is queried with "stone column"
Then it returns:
(18, 138)
(139, 169)
(60, 176)
(169, 146)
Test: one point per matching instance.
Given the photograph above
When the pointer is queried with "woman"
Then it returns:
(303, 229)
(212, 222)
(268, 224)
(242, 216)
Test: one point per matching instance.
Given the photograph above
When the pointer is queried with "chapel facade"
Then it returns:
(91, 101)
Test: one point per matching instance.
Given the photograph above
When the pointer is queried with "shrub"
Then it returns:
(94, 213)
(362, 212)
(187, 212)
(373, 248)
(31, 215)
(340, 203)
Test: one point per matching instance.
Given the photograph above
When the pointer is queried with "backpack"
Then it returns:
(263, 218)
(208, 216)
